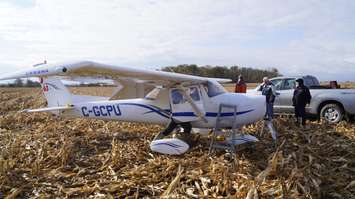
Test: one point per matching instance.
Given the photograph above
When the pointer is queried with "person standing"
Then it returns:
(301, 97)
(269, 91)
(240, 86)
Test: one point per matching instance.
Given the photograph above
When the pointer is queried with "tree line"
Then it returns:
(21, 83)
(249, 74)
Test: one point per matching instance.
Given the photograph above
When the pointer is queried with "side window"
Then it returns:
(308, 81)
(277, 83)
(312, 81)
(289, 84)
(315, 81)
(194, 94)
(177, 97)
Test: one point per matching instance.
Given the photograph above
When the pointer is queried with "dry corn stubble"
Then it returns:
(45, 156)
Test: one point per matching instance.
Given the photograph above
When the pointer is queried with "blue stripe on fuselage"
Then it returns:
(150, 107)
(208, 114)
(159, 111)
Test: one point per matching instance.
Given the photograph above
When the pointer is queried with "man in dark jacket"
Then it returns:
(301, 97)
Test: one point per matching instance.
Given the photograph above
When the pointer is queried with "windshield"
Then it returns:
(214, 89)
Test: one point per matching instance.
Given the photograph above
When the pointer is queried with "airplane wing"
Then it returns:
(99, 70)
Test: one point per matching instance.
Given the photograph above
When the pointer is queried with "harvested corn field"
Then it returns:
(42, 156)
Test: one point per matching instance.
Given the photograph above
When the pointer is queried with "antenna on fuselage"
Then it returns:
(44, 62)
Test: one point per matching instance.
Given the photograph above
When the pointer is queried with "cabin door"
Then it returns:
(186, 104)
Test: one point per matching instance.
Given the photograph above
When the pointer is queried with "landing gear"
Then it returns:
(169, 128)
(173, 146)
(185, 129)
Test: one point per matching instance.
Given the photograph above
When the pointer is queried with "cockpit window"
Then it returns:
(194, 94)
(177, 97)
(214, 89)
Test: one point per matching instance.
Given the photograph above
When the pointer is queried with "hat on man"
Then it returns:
(299, 80)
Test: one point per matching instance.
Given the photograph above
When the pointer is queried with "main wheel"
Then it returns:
(332, 113)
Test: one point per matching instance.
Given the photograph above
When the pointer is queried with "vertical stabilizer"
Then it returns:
(55, 92)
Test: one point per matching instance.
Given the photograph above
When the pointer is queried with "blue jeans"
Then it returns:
(269, 110)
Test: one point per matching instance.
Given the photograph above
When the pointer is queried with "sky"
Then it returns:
(314, 37)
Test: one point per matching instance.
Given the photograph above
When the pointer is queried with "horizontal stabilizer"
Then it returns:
(49, 109)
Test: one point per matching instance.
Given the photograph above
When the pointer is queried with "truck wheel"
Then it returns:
(332, 113)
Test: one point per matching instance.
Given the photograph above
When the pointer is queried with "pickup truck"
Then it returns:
(331, 104)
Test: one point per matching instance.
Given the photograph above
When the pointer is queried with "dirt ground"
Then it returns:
(42, 156)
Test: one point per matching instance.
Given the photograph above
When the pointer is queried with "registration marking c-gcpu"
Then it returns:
(102, 110)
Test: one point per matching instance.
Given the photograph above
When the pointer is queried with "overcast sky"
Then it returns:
(298, 37)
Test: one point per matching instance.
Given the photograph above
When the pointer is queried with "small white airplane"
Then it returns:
(148, 96)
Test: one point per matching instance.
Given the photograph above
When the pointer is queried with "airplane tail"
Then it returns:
(59, 98)
(55, 92)
(58, 95)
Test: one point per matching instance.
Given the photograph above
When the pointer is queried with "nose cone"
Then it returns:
(251, 108)
(262, 105)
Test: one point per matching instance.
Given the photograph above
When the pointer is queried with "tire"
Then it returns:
(332, 113)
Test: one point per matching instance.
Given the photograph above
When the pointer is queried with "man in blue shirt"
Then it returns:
(269, 91)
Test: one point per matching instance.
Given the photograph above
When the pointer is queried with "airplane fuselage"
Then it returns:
(250, 109)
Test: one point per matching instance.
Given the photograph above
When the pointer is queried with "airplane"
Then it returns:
(148, 96)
